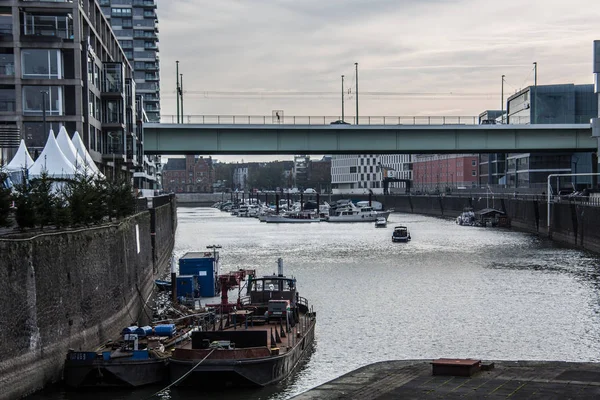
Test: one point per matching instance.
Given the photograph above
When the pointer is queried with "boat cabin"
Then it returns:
(272, 287)
(400, 234)
(492, 217)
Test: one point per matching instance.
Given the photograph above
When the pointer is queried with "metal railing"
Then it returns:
(337, 120)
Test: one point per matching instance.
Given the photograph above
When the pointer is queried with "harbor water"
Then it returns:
(453, 291)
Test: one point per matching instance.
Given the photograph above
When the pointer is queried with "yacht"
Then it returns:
(351, 213)
(293, 217)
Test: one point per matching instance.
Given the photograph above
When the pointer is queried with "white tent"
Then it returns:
(53, 161)
(21, 160)
(85, 156)
(68, 149)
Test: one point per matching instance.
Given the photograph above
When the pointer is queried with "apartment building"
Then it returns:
(135, 24)
(61, 65)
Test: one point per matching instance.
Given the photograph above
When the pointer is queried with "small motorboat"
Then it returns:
(380, 223)
(400, 234)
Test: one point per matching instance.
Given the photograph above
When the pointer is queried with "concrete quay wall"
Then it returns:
(74, 290)
(571, 223)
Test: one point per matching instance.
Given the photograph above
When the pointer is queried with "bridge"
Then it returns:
(242, 136)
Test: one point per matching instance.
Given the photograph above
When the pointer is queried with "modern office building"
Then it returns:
(550, 104)
(135, 25)
(358, 173)
(61, 65)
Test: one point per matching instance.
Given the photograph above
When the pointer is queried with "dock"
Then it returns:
(440, 379)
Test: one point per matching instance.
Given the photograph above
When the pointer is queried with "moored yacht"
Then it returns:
(351, 213)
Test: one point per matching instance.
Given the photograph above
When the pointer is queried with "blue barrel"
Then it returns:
(129, 329)
(165, 330)
(143, 331)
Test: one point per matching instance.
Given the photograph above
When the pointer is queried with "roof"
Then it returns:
(84, 155)
(487, 211)
(21, 160)
(53, 161)
(175, 164)
(68, 149)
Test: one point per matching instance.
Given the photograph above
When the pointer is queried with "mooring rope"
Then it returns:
(182, 377)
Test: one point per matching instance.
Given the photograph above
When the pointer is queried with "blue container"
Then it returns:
(165, 330)
(143, 331)
(187, 286)
(206, 266)
(106, 355)
(129, 329)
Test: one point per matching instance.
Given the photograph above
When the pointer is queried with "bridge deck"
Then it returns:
(352, 139)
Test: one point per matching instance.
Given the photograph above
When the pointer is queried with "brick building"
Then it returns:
(192, 174)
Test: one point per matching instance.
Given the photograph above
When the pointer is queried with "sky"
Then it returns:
(415, 57)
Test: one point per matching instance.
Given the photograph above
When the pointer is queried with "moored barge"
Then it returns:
(264, 336)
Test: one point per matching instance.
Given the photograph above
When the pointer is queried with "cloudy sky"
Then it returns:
(415, 57)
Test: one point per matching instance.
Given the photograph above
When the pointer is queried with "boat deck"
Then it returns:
(249, 340)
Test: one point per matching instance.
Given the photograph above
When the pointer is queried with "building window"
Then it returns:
(121, 12)
(473, 173)
(473, 163)
(42, 64)
(33, 100)
(49, 25)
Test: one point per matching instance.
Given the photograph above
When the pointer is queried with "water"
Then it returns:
(453, 291)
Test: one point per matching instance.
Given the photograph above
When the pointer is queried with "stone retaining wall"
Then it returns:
(74, 290)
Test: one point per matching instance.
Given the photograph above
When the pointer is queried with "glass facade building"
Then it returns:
(550, 104)
(135, 25)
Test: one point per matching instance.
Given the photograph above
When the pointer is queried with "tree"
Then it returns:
(5, 200)
(120, 198)
(25, 209)
(43, 199)
(86, 200)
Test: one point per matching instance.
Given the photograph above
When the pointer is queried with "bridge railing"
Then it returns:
(366, 120)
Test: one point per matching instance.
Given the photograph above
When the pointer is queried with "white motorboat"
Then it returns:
(400, 234)
(381, 223)
(293, 217)
(351, 213)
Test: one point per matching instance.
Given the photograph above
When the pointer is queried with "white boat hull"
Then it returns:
(287, 220)
(359, 218)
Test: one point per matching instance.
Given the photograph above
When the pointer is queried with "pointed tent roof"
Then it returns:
(68, 149)
(21, 160)
(85, 156)
(53, 161)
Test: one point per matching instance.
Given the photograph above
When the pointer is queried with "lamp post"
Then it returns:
(535, 93)
(44, 93)
(502, 99)
(342, 98)
(356, 70)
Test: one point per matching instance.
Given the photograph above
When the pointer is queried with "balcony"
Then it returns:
(145, 3)
(47, 33)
